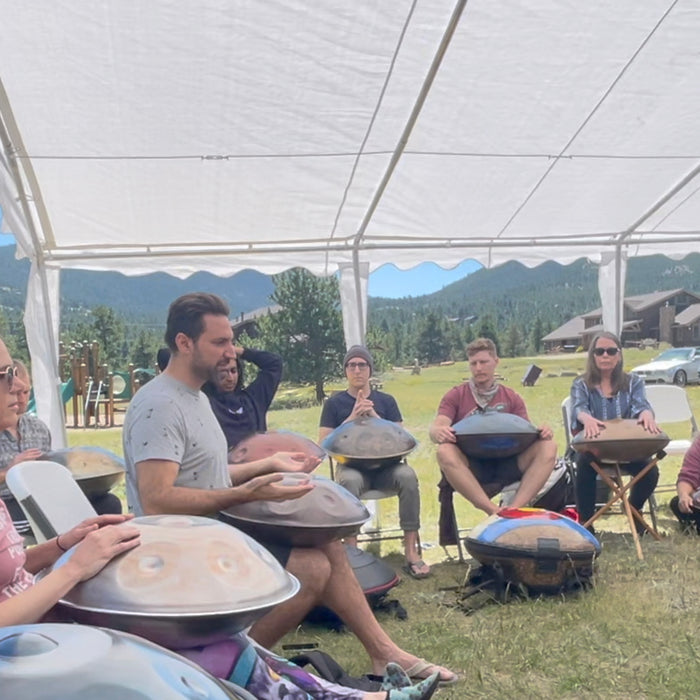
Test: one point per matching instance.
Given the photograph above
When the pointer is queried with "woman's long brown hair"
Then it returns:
(619, 379)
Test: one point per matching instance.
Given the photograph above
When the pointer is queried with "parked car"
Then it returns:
(673, 366)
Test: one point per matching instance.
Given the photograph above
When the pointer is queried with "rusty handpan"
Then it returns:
(95, 469)
(369, 443)
(261, 445)
(191, 581)
(621, 440)
(494, 434)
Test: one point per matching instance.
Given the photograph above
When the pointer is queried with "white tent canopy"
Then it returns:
(221, 135)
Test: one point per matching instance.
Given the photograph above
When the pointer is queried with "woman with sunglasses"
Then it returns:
(602, 393)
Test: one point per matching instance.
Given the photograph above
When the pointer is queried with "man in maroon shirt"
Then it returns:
(479, 480)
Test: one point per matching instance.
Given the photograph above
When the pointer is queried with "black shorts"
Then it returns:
(279, 551)
(495, 474)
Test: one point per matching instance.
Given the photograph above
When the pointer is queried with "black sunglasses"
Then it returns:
(602, 351)
(9, 373)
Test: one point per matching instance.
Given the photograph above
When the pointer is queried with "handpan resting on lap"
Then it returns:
(494, 434)
(95, 469)
(192, 581)
(328, 512)
(369, 443)
(53, 660)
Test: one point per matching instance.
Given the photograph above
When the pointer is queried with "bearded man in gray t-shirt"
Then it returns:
(176, 463)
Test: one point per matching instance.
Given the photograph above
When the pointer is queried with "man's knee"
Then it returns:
(405, 478)
(543, 452)
(352, 480)
(312, 568)
(449, 456)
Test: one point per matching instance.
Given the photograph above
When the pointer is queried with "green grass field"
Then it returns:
(632, 636)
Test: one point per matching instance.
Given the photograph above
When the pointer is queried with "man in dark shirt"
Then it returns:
(242, 411)
(360, 400)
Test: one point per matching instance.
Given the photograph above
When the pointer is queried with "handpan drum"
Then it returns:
(62, 662)
(191, 581)
(96, 470)
(369, 443)
(494, 434)
(263, 445)
(328, 512)
(622, 440)
(535, 547)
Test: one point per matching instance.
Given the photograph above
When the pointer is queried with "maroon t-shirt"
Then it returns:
(459, 402)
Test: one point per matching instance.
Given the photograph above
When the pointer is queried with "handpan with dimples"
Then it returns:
(191, 581)
(494, 434)
(60, 661)
(328, 512)
(621, 440)
(95, 469)
(369, 443)
(263, 445)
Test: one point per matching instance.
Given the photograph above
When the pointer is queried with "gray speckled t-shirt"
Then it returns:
(168, 420)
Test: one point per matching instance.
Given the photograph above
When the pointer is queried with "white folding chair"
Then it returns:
(671, 405)
(372, 530)
(49, 496)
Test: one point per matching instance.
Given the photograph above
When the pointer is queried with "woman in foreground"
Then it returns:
(24, 600)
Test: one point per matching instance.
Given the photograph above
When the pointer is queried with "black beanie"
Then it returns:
(359, 351)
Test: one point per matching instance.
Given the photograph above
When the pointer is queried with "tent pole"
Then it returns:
(619, 293)
(360, 297)
(48, 398)
(659, 203)
(413, 117)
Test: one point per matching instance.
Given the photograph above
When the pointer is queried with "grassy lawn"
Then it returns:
(633, 635)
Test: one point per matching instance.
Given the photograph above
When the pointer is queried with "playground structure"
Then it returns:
(96, 393)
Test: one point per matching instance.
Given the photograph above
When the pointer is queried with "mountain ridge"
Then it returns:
(509, 293)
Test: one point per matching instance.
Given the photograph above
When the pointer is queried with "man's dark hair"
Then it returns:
(186, 315)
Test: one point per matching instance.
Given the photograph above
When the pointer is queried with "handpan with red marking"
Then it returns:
(535, 547)
(263, 445)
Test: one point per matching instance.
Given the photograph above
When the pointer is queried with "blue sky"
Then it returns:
(389, 281)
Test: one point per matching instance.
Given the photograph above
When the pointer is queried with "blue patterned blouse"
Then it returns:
(625, 404)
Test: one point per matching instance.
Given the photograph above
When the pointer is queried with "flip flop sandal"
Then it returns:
(412, 568)
(423, 669)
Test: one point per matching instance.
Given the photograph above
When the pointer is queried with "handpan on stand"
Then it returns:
(623, 441)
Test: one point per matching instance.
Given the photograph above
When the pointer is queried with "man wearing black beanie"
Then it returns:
(359, 400)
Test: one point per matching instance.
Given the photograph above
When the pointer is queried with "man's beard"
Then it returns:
(202, 370)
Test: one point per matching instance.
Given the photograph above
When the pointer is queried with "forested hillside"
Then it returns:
(144, 298)
(554, 293)
(513, 304)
